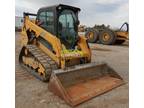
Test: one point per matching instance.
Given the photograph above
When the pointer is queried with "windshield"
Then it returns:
(67, 28)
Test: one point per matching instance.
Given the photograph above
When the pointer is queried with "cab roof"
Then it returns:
(62, 6)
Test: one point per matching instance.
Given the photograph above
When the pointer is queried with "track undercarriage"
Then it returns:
(36, 62)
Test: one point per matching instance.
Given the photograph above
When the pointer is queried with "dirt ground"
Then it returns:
(32, 93)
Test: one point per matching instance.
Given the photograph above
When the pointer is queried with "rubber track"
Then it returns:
(42, 58)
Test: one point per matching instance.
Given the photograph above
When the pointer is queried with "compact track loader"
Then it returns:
(52, 51)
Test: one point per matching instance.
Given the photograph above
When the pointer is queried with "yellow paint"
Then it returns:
(34, 64)
(123, 35)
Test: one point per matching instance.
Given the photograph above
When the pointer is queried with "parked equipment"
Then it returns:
(52, 51)
(81, 28)
(107, 36)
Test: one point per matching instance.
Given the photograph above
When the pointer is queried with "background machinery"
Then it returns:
(81, 28)
(107, 36)
(53, 51)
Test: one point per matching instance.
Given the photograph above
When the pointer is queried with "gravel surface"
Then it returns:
(32, 93)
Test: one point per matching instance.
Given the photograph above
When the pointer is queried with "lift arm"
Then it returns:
(40, 32)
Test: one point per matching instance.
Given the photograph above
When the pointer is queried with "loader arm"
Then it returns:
(39, 32)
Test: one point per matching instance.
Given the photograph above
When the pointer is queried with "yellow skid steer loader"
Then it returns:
(53, 51)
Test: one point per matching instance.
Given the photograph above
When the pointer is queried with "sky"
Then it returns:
(109, 12)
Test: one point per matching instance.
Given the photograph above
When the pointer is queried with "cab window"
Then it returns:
(47, 21)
